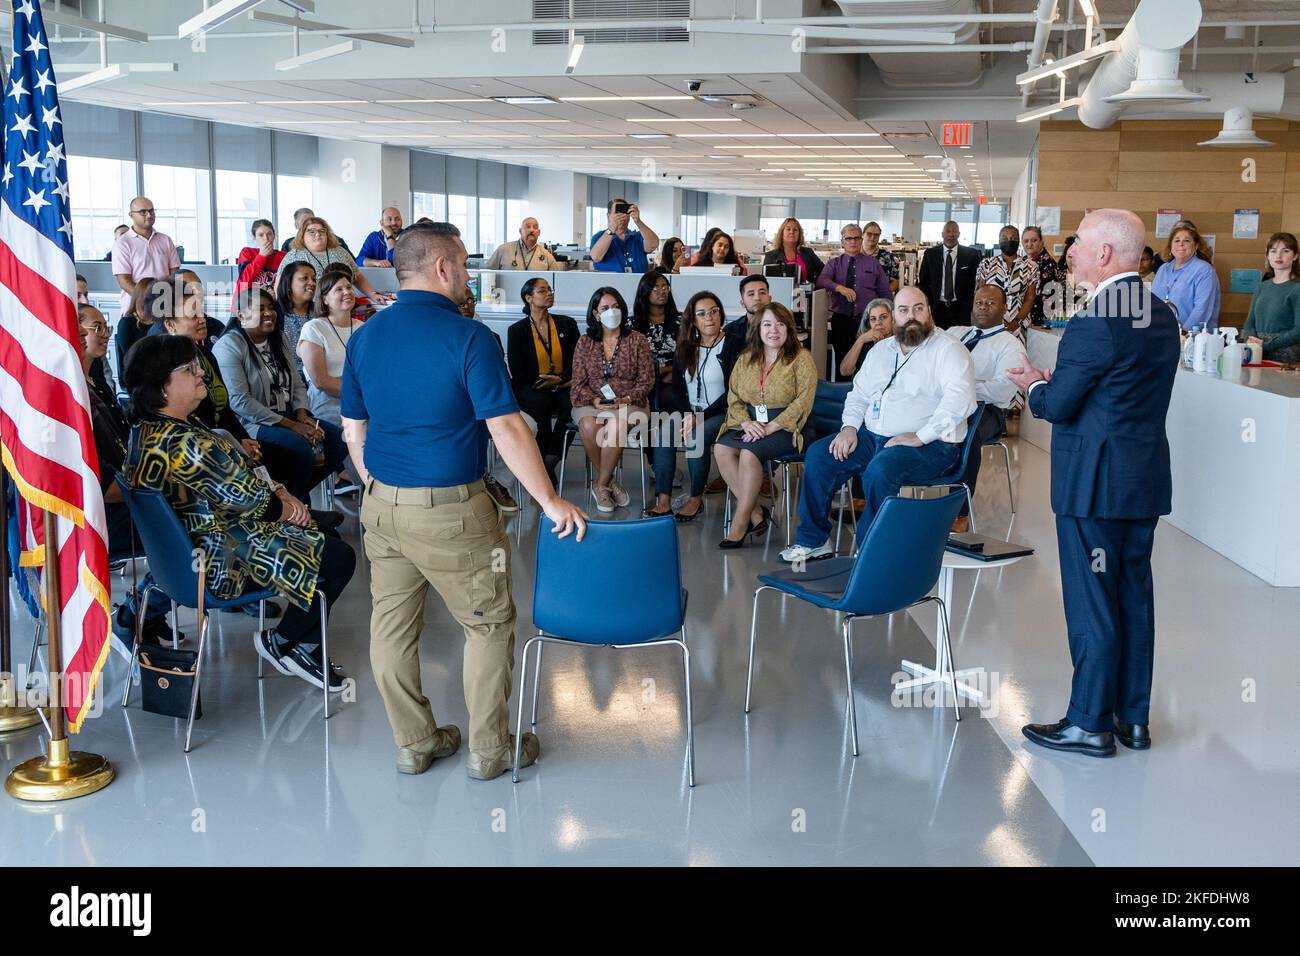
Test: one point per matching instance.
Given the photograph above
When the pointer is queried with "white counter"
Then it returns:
(1234, 450)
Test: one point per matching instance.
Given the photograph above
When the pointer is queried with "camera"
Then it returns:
(694, 85)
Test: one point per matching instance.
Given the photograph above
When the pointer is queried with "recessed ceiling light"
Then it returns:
(648, 135)
(677, 119)
(197, 102)
(525, 100)
(514, 122)
(619, 99)
(401, 122)
(471, 99)
(308, 102)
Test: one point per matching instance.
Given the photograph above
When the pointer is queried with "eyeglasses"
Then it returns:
(192, 366)
(143, 212)
(712, 313)
(99, 328)
(850, 239)
(318, 233)
(873, 235)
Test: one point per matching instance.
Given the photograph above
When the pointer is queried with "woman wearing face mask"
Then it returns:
(701, 366)
(257, 264)
(769, 406)
(1051, 281)
(877, 324)
(791, 251)
(270, 397)
(1274, 320)
(721, 252)
(613, 375)
(1014, 274)
(1187, 281)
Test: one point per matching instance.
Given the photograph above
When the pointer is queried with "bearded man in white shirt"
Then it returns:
(994, 350)
(904, 423)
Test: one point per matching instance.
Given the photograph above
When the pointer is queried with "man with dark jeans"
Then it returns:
(904, 423)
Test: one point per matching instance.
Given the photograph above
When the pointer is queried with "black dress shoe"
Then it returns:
(1065, 736)
(327, 520)
(1133, 736)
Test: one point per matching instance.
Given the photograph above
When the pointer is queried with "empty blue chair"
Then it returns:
(644, 551)
(895, 569)
(171, 559)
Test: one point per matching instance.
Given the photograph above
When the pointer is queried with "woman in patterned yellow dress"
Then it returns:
(253, 533)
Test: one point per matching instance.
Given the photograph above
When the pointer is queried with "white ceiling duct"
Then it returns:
(1238, 130)
(1145, 67)
(917, 70)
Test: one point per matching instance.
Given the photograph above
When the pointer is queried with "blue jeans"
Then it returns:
(883, 470)
(305, 475)
(665, 457)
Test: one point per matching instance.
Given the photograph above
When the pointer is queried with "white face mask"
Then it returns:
(611, 318)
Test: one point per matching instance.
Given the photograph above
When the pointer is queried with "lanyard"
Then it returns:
(701, 396)
(898, 368)
(623, 251)
(607, 363)
(550, 365)
(335, 329)
(519, 243)
(762, 377)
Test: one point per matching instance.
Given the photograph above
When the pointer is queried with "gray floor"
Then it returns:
(268, 782)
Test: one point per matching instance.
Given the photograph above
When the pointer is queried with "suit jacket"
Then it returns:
(1107, 402)
(930, 278)
(521, 354)
(812, 265)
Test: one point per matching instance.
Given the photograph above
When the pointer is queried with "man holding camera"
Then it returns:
(615, 249)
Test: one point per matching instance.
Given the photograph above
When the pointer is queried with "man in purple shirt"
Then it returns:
(854, 279)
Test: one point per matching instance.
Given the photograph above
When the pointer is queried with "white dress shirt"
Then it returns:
(929, 390)
(1091, 299)
(995, 352)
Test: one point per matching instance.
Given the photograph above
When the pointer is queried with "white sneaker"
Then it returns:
(799, 554)
(621, 497)
(604, 499)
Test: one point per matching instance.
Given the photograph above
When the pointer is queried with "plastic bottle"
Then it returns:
(1189, 347)
(1231, 359)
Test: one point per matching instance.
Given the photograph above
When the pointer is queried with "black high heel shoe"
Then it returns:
(683, 518)
(754, 531)
(760, 529)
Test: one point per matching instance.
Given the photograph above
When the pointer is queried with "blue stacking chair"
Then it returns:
(641, 550)
(171, 560)
(896, 568)
(571, 434)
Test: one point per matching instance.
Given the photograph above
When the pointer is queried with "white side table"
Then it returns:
(952, 562)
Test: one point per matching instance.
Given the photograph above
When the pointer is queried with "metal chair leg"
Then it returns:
(785, 491)
(175, 628)
(519, 721)
(753, 626)
(36, 648)
(645, 493)
(140, 613)
(970, 507)
(198, 668)
(1006, 456)
(537, 680)
(690, 721)
(324, 650)
(261, 628)
(952, 665)
(847, 629)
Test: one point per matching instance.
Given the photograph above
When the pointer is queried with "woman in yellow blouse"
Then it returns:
(769, 407)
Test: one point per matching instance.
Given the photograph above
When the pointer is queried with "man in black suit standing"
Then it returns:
(948, 278)
(1107, 400)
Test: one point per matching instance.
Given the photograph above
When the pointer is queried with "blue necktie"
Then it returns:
(971, 343)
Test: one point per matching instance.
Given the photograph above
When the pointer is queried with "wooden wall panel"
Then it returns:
(1145, 165)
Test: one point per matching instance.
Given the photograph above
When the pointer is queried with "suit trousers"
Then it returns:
(844, 332)
(1109, 616)
(948, 314)
(451, 539)
(883, 470)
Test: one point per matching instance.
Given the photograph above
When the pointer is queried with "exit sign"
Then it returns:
(983, 200)
(956, 134)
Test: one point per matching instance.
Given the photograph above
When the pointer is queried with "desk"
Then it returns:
(952, 563)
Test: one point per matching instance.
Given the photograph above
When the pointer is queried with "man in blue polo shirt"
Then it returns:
(422, 388)
(614, 249)
(377, 251)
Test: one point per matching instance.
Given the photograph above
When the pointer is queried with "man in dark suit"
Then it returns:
(1107, 400)
(948, 278)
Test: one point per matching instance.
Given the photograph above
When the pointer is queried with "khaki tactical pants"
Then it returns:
(453, 539)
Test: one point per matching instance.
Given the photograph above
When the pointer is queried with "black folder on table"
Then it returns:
(983, 548)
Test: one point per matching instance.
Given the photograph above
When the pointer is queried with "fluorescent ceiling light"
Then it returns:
(1030, 115)
(1088, 9)
(525, 100)
(726, 136)
(214, 16)
(819, 135)
(109, 73)
(489, 136)
(314, 122)
(301, 23)
(629, 147)
(619, 99)
(397, 122)
(307, 102)
(471, 99)
(315, 56)
(1074, 60)
(197, 103)
(575, 54)
(516, 122)
(674, 119)
(648, 135)
(59, 18)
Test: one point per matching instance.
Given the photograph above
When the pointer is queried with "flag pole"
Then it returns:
(63, 773)
(12, 717)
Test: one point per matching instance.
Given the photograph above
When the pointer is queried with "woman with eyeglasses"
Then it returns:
(539, 353)
(701, 368)
(317, 245)
(251, 533)
(112, 434)
(655, 315)
(137, 318)
(769, 405)
(270, 397)
(613, 375)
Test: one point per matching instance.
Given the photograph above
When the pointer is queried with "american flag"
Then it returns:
(48, 445)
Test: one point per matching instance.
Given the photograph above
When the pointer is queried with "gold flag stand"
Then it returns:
(12, 718)
(62, 774)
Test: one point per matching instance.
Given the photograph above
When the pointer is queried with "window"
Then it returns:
(100, 192)
(292, 193)
(432, 205)
(241, 198)
(597, 219)
(180, 196)
(991, 220)
(491, 223)
(694, 213)
(462, 212)
(516, 212)
(933, 216)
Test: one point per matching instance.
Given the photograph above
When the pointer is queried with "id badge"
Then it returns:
(608, 393)
(760, 414)
(875, 409)
(627, 268)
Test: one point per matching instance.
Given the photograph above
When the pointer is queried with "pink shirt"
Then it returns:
(141, 258)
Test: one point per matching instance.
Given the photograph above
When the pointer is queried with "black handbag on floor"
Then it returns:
(167, 681)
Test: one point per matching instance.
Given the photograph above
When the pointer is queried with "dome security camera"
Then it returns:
(694, 85)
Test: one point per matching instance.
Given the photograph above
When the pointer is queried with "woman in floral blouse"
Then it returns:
(613, 376)
(1051, 279)
(655, 315)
